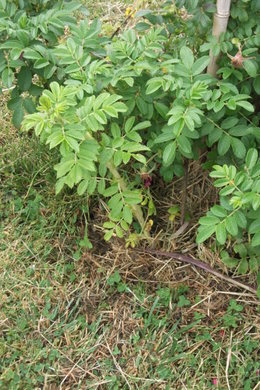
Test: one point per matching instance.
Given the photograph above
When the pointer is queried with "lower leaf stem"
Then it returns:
(136, 209)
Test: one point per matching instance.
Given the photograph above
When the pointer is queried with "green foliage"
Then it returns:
(238, 215)
(31, 7)
(239, 202)
(115, 281)
(28, 32)
(233, 314)
(92, 119)
(186, 22)
(237, 218)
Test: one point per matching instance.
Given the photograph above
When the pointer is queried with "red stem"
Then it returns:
(199, 264)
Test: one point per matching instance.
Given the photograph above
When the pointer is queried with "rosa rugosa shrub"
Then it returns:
(117, 109)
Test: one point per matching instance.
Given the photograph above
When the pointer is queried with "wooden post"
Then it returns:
(219, 26)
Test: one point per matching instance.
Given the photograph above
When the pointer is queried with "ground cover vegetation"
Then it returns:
(125, 115)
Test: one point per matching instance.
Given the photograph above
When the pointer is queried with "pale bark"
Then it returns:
(219, 26)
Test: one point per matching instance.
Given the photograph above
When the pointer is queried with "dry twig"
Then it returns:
(200, 264)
